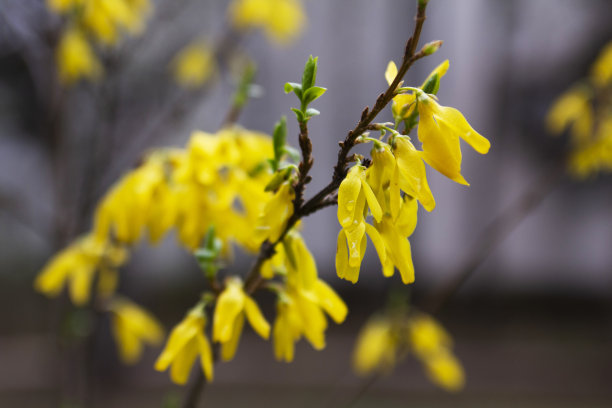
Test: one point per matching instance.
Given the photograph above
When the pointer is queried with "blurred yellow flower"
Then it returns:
(194, 65)
(63, 6)
(232, 307)
(601, 71)
(282, 20)
(185, 343)
(573, 110)
(376, 347)
(276, 212)
(132, 328)
(76, 265)
(302, 301)
(75, 58)
(445, 370)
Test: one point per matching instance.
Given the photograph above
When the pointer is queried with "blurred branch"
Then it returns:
(494, 234)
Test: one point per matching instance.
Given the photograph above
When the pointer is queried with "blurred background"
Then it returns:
(532, 324)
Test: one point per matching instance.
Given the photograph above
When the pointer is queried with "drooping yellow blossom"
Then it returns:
(302, 301)
(75, 58)
(194, 65)
(393, 246)
(403, 104)
(187, 340)
(76, 266)
(276, 213)
(376, 348)
(601, 71)
(573, 110)
(440, 128)
(132, 328)
(232, 307)
(353, 195)
(411, 173)
(281, 20)
(390, 232)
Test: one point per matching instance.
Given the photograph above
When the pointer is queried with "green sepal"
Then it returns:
(313, 93)
(207, 255)
(432, 85)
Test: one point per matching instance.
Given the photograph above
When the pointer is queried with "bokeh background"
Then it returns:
(532, 324)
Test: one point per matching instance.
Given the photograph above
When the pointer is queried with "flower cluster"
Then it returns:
(586, 111)
(385, 340)
(395, 181)
(282, 20)
(103, 22)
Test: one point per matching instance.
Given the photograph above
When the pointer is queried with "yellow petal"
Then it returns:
(206, 358)
(378, 243)
(229, 305)
(391, 72)
(457, 123)
(181, 366)
(354, 237)
(330, 301)
(371, 199)
(228, 349)
(256, 318)
(348, 193)
(412, 177)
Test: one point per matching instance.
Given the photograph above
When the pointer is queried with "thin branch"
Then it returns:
(494, 234)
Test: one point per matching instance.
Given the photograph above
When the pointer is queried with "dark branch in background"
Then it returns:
(494, 234)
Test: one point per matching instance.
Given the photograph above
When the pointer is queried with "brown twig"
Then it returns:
(322, 199)
(253, 279)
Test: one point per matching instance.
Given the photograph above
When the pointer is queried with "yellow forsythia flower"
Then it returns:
(282, 20)
(573, 110)
(376, 348)
(108, 19)
(185, 343)
(440, 128)
(403, 104)
(232, 307)
(432, 345)
(353, 195)
(194, 65)
(303, 301)
(75, 58)
(276, 213)
(132, 328)
(411, 172)
(601, 71)
(76, 265)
